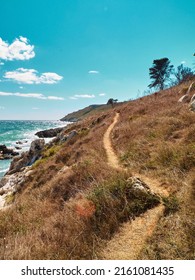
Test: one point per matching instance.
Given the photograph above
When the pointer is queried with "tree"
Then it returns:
(194, 55)
(160, 73)
(112, 101)
(183, 74)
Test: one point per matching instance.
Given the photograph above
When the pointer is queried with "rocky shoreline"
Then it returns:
(49, 133)
(20, 167)
(6, 153)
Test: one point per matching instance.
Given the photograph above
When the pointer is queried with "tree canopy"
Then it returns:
(160, 73)
(112, 101)
(183, 74)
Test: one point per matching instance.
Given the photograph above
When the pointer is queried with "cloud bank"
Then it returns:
(84, 95)
(31, 76)
(31, 95)
(20, 49)
(77, 96)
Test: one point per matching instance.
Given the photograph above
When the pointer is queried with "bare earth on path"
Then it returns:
(112, 157)
(132, 236)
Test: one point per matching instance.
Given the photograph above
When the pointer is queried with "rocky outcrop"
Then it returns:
(192, 106)
(190, 88)
(184, 99)
(192, 99)
(189, 98)
(27, 158)
(65, 137)
(6, 153)
(10, 184)
(49, 133)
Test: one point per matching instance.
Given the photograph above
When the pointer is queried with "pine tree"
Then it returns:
(160, 73)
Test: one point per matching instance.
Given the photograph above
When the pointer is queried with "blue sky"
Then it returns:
(60, 56)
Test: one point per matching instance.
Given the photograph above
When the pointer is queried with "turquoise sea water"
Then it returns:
(24, 131)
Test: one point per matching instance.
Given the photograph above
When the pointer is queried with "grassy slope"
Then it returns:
(85, 112)
(155, 135)
(89, 111)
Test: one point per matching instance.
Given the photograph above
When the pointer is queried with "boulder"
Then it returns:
(19, 142)
(192, 106)
(49, 133)
(13, 183)
(184, 99)
(65, 137)
(6, 153)
(27, 158)
(190, 87)
(36, 146)
(192, 99)
(18, 148)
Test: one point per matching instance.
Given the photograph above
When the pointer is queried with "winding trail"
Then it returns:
(132, 236)
(112, 157)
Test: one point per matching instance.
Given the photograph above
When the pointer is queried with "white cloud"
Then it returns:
(31, 76)
(2, 63)
(21, 87)
(35, 108)
(102, 94)
(19, 49)
(183, 62)
(84, 95)
(2, 108)
(23, 39)
(5, 93)
(55, 98)
(31, 95)
(72, 97)
(93, 72)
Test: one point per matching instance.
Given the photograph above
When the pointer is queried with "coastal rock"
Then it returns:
(11, 184)
(27, 158)
(18, 148)
(6, 153)
(49, 133)
(36, 146)
(19, 142)
(64, 138)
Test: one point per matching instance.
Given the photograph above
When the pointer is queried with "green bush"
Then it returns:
(118, 201)
(171, 205)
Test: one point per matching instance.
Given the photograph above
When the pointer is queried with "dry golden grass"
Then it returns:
(156, 137)
(54, 215)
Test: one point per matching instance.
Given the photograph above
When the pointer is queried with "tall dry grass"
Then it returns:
(54, 216)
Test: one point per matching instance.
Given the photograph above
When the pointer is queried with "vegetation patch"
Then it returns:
(9, 198)
(118, 201)
(171, 204)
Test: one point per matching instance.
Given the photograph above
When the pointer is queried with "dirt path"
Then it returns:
(111, 156)
(132, 236)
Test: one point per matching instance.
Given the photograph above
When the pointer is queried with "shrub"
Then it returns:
(118, 201)
(171, 205)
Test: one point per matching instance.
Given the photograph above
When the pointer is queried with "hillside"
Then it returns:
(88, 111)
(80, 114)
(123, 175)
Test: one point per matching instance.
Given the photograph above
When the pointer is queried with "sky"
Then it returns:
(59, 56)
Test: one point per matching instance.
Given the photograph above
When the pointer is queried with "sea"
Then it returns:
(20, 134)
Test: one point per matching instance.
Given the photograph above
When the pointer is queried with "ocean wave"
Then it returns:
(4, 170)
